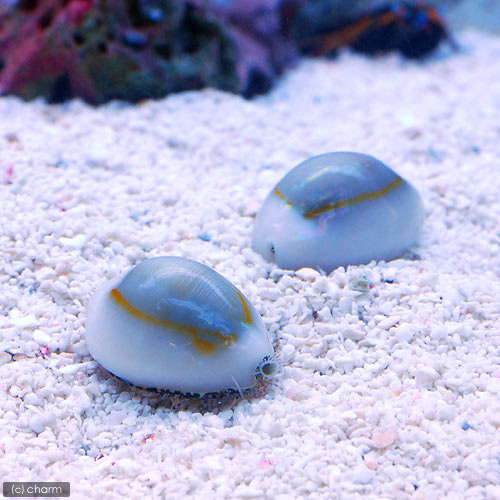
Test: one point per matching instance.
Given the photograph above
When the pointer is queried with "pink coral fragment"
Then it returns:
(264, 463)
(384, 439)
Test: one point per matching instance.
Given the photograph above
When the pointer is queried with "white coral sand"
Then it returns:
(392, 393)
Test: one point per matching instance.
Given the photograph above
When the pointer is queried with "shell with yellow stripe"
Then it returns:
(337, 209)
(173, 323)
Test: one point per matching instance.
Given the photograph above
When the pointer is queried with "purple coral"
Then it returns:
(133, 49)
(35, 49)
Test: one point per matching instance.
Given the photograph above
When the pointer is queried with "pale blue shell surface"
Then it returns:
(338, 209)
(173, 323)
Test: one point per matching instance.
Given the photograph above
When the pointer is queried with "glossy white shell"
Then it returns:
(338, 209)
(173, 323)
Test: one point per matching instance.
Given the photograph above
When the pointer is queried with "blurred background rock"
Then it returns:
(135, 49)
(459, 14)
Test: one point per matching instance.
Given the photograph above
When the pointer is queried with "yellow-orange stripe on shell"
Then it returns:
(248, 314)
(343, 203)
(202, 345)
(280, 195)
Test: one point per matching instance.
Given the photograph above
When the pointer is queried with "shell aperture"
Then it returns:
(338, 209)
(173, 323)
